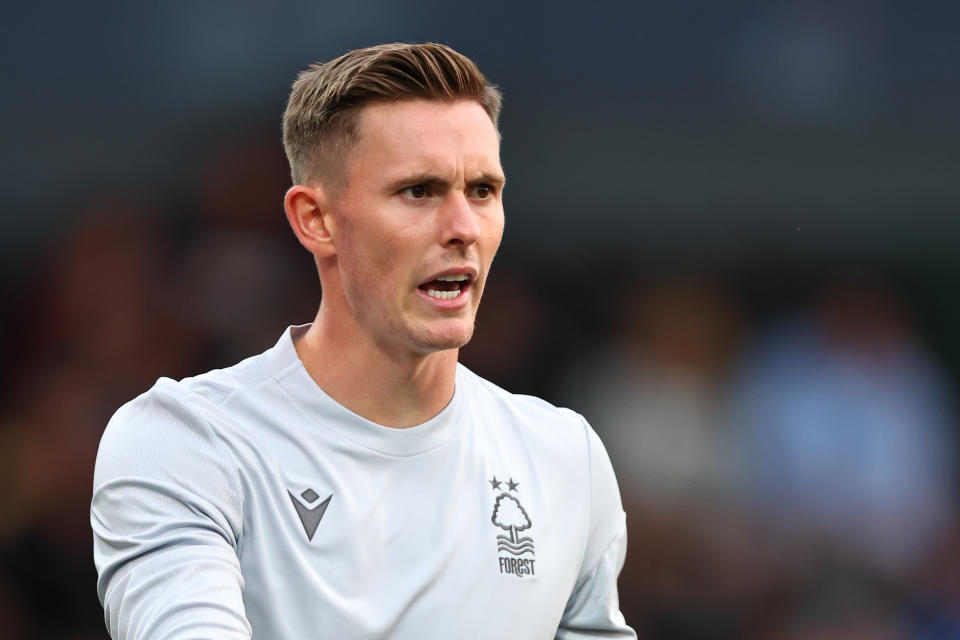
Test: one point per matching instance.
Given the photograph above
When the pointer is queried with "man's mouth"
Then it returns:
(446, 287)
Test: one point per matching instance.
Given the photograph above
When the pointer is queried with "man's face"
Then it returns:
(419, 222)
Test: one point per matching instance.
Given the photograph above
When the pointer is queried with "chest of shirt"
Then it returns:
(479, 534)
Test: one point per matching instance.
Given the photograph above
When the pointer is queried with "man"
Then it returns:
(354, 481)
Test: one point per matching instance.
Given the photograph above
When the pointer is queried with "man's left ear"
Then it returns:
(308, 211)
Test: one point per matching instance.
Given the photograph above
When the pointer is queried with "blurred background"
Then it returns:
(732, 243)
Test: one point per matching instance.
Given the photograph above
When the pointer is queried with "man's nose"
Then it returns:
(459, 225)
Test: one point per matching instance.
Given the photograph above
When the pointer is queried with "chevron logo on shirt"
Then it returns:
(310, 516)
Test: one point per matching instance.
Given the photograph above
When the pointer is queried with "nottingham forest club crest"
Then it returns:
(515, 550)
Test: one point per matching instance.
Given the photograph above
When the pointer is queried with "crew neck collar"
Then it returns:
(333, 416)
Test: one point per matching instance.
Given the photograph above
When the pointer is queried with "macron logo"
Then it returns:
(310, 516)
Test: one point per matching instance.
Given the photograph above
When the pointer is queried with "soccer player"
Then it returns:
(355, 481)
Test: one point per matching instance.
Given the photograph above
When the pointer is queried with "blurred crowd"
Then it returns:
(788, 479)
(788, 467)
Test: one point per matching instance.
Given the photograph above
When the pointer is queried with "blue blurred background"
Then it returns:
(731, 243)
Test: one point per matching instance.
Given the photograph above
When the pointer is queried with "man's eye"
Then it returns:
(417, 191)
(482, 191)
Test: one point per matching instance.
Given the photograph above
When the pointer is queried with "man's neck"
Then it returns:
(393, 390)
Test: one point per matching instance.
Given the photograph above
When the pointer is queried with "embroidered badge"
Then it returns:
(515, 551)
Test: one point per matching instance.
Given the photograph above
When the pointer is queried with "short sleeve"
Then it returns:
(166, 516)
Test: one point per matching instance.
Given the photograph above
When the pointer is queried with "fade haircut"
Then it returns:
(320, 121)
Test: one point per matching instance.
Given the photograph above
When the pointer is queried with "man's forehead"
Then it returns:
(420, 136)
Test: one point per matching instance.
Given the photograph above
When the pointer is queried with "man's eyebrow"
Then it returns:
(495, 179)
(414, 179)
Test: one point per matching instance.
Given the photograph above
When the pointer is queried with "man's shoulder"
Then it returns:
(215, 387)
(191, 404)
(209, 389)
(533, 412)
(164, 454)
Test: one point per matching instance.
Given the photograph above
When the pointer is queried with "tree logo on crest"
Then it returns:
(509, 515)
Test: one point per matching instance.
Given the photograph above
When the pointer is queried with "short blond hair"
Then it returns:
(320, 121)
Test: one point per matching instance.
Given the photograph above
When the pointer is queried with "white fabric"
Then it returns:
(196, 534)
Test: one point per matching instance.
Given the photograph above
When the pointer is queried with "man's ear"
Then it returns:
(308, 211)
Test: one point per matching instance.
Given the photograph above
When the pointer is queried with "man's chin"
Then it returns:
(448, 338)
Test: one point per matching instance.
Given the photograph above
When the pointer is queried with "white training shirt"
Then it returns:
(245, 502)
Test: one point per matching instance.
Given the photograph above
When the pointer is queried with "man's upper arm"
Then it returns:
(166, 519)
(593, 610)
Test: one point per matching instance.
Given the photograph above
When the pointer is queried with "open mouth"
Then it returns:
(447, 287)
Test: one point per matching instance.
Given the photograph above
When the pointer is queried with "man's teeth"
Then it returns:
(447, 295)
(443, 295)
